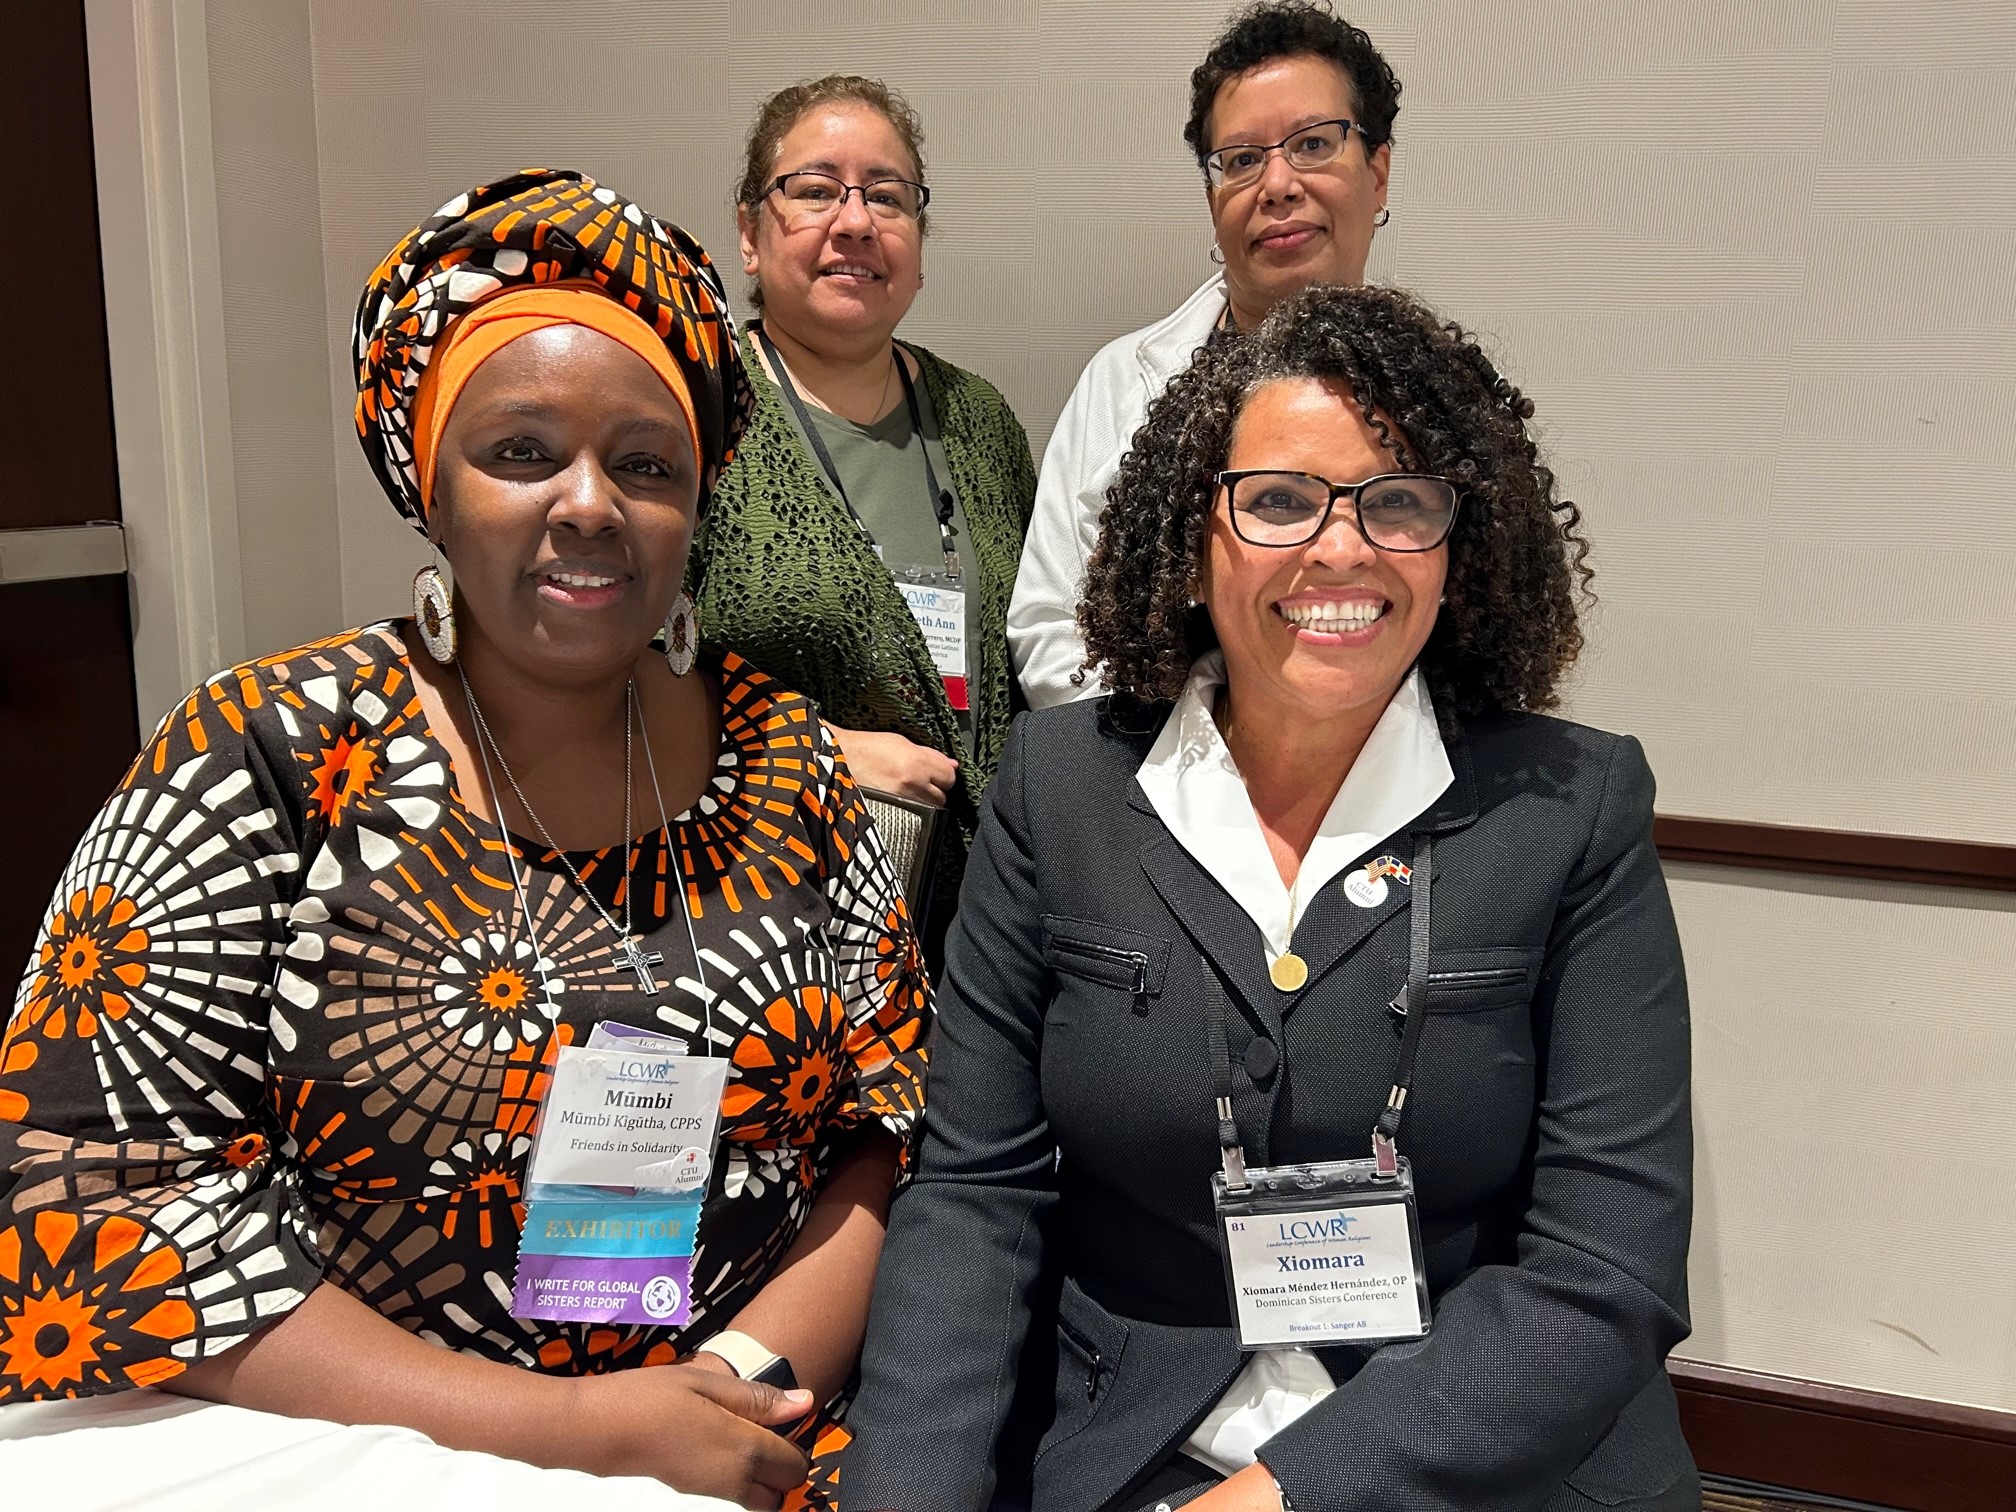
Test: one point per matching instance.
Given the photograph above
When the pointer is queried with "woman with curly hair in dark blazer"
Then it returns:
(1306, 1194)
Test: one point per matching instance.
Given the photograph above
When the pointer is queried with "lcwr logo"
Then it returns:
(645, 1070)
(1306, 1230)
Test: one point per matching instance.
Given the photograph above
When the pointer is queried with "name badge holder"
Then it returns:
(937, 601)
(616, 1180)
(1328, 1252)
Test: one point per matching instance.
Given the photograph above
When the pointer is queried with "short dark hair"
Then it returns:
(1260, 33)
(1508, 630)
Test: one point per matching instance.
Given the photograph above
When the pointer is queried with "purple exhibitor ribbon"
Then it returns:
(602, 1289)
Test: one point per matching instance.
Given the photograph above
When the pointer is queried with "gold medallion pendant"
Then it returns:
(1288, 971)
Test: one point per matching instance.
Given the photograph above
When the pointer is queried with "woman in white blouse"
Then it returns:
(1334, 587)
(1291, 125)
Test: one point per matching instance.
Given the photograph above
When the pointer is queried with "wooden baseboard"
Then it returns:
(1838, 853)
(1900, 1452)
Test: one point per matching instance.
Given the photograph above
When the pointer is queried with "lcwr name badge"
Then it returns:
(615, 1185)
(1347, 1271)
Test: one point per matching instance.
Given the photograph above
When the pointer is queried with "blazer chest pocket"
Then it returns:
(1475, 981)
(1123, 959)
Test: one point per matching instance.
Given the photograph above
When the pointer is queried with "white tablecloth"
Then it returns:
(148, 1451)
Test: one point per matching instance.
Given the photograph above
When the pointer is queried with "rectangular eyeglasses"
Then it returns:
(1310, 146)
(1394, 511)
(808, 198)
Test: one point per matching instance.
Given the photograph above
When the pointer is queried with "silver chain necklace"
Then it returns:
(634, 953)
(639, 962)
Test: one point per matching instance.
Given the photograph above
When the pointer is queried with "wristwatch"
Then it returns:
(751, 1359)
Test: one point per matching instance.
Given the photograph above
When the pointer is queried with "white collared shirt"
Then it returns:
(1195, 787)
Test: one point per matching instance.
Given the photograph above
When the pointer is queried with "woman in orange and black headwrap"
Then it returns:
(267, 1097)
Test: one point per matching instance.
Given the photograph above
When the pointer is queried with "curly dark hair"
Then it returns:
(1508, 629)
(1260, 33)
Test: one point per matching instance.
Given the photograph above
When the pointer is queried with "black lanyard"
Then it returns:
(940, 498)
(1412, 1001)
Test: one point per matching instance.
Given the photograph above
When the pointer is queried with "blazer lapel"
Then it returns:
(1457, 806)
(1334, 926)
(1331, 929)
(1217, 926)
(1229, 943)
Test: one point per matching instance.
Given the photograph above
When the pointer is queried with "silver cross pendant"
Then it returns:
(641, 963)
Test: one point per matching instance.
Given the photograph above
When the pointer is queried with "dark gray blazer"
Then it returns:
(1548, 1128)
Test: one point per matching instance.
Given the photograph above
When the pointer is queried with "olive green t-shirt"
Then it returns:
(881, 465)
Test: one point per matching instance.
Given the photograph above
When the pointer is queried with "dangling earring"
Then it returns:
(434, 611)
(1216, 254)
(682, 634)
(1385, 214)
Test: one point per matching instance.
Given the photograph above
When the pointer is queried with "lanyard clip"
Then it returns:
(1385, 1159)
(1231, 1154)
(1233, 1159)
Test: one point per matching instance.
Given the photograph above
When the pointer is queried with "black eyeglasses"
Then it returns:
(1312, 146)
(809, 198)
(1394, 511)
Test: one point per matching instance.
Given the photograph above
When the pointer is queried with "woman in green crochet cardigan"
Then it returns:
(878, 490)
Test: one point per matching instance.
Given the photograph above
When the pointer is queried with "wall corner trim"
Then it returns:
(164, 296)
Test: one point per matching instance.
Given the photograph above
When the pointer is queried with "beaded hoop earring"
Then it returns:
(682, 634)
(434, 611)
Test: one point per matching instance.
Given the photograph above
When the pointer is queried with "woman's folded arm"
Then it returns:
(337, 1359)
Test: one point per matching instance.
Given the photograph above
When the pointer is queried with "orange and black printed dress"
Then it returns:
(286, 1023)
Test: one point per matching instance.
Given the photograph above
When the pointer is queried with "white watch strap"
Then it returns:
(747, 1357)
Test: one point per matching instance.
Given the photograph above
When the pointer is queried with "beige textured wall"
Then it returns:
(1758, 267)
(1853, 1064)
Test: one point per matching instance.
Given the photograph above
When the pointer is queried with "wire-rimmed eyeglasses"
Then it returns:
(1312, 146)
(811, 197)
(1394, 511)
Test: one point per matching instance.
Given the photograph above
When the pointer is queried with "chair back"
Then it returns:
(911, 833)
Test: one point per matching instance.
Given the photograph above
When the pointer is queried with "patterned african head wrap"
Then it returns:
(538, 227)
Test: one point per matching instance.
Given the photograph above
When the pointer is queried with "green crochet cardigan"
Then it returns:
(782, 576)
